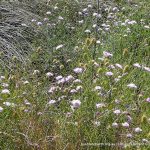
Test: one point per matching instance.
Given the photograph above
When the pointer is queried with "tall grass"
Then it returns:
(86, 85)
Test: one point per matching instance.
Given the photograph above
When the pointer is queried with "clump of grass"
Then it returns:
(16, 32)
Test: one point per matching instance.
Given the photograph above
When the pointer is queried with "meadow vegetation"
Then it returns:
(75, 75)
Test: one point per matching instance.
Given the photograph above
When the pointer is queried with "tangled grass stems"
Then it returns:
(16, 32)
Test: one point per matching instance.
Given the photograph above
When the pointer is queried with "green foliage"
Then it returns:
(95, 67)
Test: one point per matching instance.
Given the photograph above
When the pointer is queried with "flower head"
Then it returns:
(49, 74)
(115, 124)
(97, 88)
(107, 54)
(1, 109)
(117, 112)
(109, 74)
(132, 85)
(129, 135)
(36, 72)
(59, 46)
(76, 103)
(48, 13)
(125, 124)
(39, 23)
(97, 123)
(100, 105)
(137, 65)
(78, 70)
(5, 91)
(137, 130)
(51, 102)
(148, 99)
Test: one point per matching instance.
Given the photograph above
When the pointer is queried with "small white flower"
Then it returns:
(137, 130)
(110, 16)
(85, 10)
(1, 109)
(73, 91)
(2, 77)
(115, 9)
(106, 29)
(36, 72)
(127, 20)
(129, 118)
(55, 8)
(60, 18)
(80, 13)
(69, 78)
(87, 31)
(33, 20)
(129, 135)
(101, 59)
(76, 103)
(5, 85)
(147, 69)
(117, 101)
(97, 123)
(39, 113)
(24, 25)
(61, 81)
(45, 19)
(77, 81)
(59, 77)
(52, 89)
(99, 16)
(49, 74)
(123, 24)
(7, 103)
(132, 85)
(51, 102)
(98, 42)
(48, 13)
(147, 27)
(95, 14)
(59, 46)
(115, 124)
(39, 23)
(145, 140)
(125, 124)
(96, 64)
(128, 30)
(117, 79)
(26, 110)
(118, 65)
(132, 22)
(5, 91)
(78, 88)
(26, 82)
(107, 54)
(81, 22)
(148, 99)
(100, 105)
(97, 88)
(75, 123)
(117, 112)
(89, 6)
(94, 25)
(137, 65)
(27, 102)
(111, 66)
(109, 74)
(68, 114)
(78, 70)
